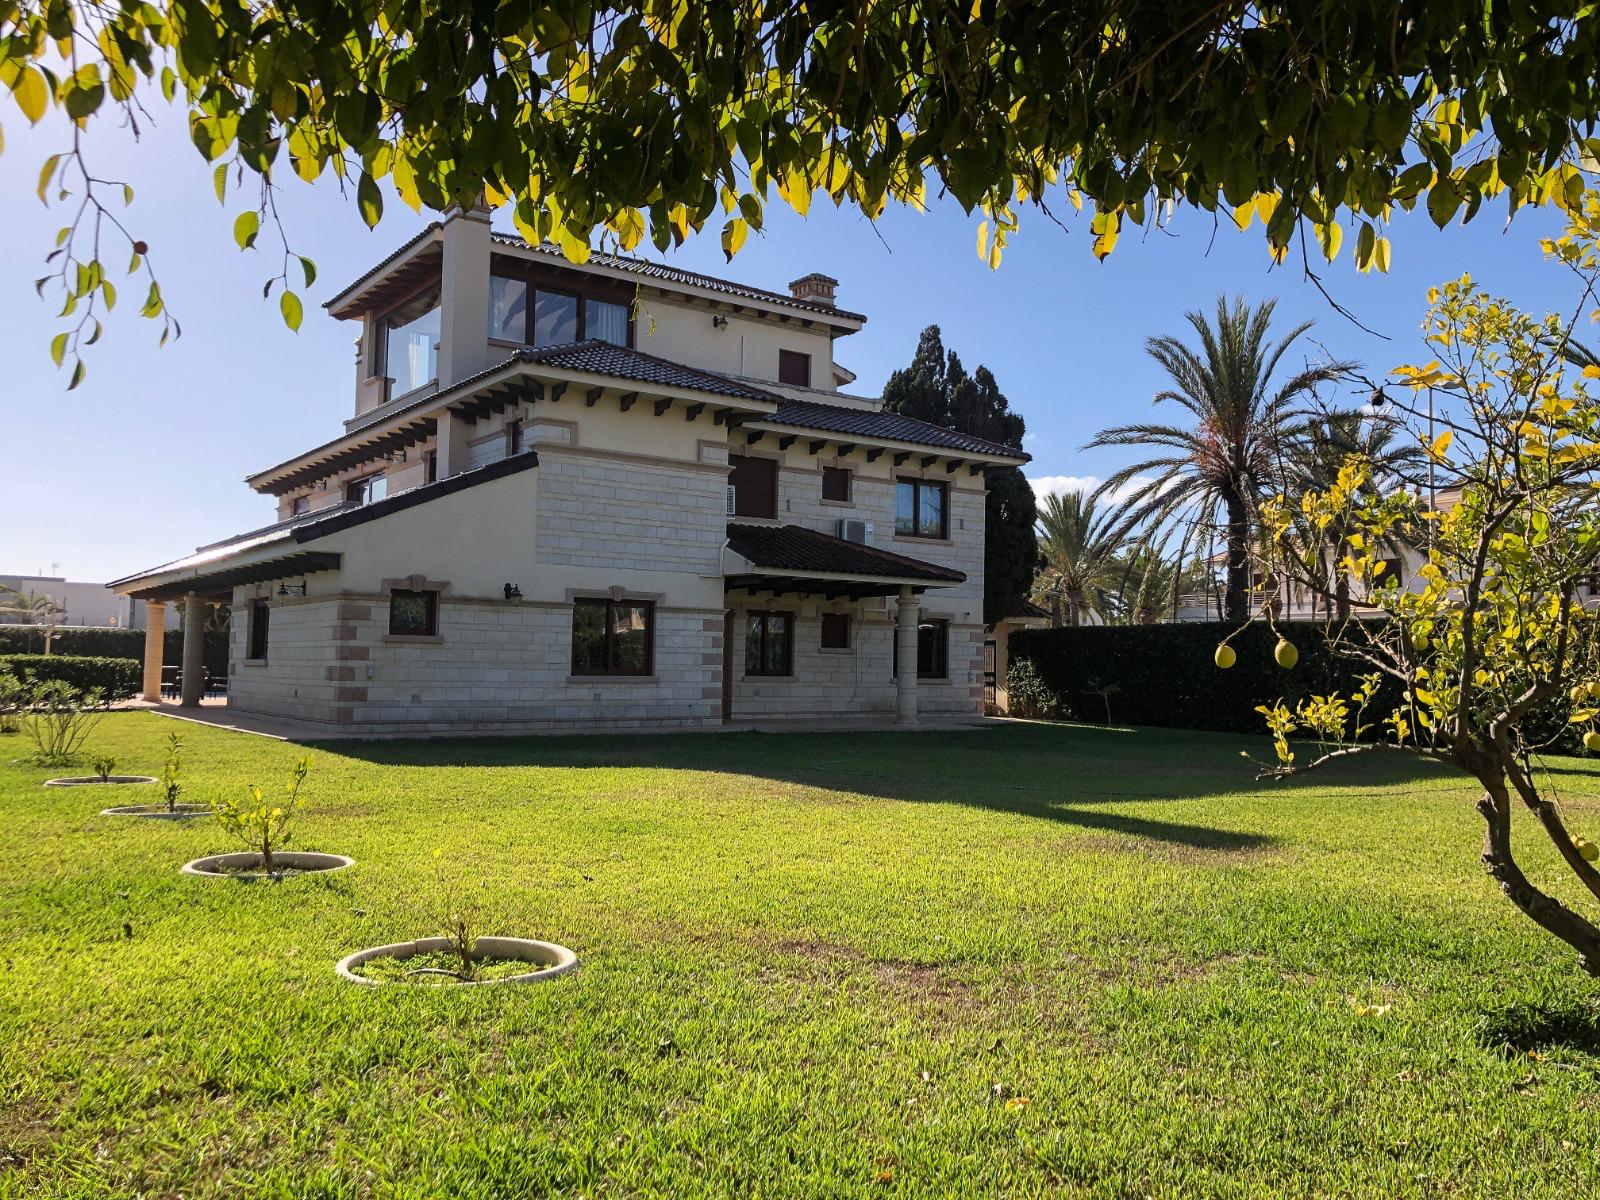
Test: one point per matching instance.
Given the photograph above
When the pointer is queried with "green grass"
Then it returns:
(811, 966)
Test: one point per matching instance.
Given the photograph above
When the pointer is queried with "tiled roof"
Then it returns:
(596, 357)
(670, 274)
(862, 422)
(792, 548)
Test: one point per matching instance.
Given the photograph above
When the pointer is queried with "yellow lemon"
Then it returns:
(1579, 693)
(1587, 850)
(1286, 654)
(1225, 657)
(1419, 642)
(1591, 741)
(1594, 691)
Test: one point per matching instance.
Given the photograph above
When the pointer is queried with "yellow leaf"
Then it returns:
(31, 94)
(1380, 255)
(1591, 372)
(1441, 445)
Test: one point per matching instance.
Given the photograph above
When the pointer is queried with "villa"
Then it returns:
(615, 495)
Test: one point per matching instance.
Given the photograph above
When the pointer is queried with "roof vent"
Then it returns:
(814, 288)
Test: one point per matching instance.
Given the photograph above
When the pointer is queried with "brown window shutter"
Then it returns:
(755, 486)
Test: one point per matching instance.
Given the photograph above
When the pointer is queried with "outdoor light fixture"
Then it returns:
(513, 592)
(719, 321)
(292, 589)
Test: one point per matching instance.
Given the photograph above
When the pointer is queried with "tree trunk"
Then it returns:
(1547, 912)
(1235, 601)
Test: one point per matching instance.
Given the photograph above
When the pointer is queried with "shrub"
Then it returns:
(1166, 675)
(112, 643)
(60, 718)
(263, 826)
(1028, 694)
(113, 678)
(103, 765)
(12, 698)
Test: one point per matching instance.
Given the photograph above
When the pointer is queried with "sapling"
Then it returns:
(263, 826)
(170, 787)
(60, 718)
(104, 764)
(462, 921)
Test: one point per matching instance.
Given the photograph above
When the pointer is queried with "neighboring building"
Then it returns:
(80, 603)
(611, 495)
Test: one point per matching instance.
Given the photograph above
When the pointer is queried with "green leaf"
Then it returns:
(309, 269)
(219, 181)
(289, 305)
(58, 347)
(246, 227)
(46, 173)
(1443, 201)
(77, 375)
(369, 200)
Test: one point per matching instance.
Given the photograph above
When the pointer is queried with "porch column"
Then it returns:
(194, 650)
(155, 627)
(905, 658)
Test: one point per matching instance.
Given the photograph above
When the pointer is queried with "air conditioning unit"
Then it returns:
(732, 499)
(852, 530)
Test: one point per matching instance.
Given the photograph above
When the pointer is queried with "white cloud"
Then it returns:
(1060, 485)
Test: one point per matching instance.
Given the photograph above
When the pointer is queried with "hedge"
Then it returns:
(1165, 674)
(111, 643)
(114, 678)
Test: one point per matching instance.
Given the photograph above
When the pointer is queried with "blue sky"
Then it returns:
(145, 459)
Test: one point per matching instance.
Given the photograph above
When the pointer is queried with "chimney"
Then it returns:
(814, 288)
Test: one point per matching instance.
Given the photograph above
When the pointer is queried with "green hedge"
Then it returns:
(113, 678)
(111, 643)
(1165, 674)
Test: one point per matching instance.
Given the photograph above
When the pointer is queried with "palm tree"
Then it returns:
(1079, 547)
(1215, 473)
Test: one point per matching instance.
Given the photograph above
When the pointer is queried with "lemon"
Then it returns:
(1286, 654)
(1591, 741)
(1225, 657)
(1594, 691)
(1579, 693)
(1586, 849)
(1419, 642)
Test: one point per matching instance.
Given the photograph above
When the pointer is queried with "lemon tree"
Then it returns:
(265, 825)
(1494, 640)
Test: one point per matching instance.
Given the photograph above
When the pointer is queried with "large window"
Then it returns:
(365, 491)
(408, 343)
(933, 650)
(769, 643)
(755, 485)
(260, 614)
(921, 508)
(413, 614)
(794, 368)
(612, 637)
(529, 315)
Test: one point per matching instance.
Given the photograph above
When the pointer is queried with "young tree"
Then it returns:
(936, 388)
(1214, 474)
(1492, 649)
(1079, 550)
(635, 118)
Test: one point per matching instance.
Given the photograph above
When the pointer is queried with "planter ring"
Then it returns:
(96, 781)
(236, 865)
(157, 812)
(551, 959)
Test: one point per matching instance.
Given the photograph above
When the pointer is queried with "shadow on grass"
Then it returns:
(1524, 1027)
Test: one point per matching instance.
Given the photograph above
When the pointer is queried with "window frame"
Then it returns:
(944, 649)
(537, 282)
(610, 670)
(299, 506)
(379, 363)
(365, 482)
(916, 483)
(849, 484)
(822, 633)
(765, 617)
(431, 596)
(786, 358)
(258, 631)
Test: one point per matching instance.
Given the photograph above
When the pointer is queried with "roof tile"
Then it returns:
(862, 422)
(794, 548)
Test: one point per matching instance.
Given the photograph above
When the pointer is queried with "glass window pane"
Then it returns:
(410, 612)
(555, 319)
(412, 343)
(777, 656)
(377, 488)
(931, 518)
(629, 633)
(752, 643)
(589, 637)
(508, 309)
(606, 321)
(905, 498)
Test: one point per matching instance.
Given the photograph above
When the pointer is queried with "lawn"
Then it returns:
(1037, 960)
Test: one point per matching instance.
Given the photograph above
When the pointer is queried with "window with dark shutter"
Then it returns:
(836, 631)
(794, 368)
(755, 486)
(513, 437)
(836, 483)
(260, 614)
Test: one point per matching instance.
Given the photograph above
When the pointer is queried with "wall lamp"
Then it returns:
(719, 321)
(513, 592)
(292, 589)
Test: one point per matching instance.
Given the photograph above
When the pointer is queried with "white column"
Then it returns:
(905, 658)
(450, 444)
(464, 300)
(155, 628)
(194, 650)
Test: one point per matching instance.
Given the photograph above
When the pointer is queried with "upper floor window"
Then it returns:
(430, 466)
(299, 505)
(836, 483)
(528, 315)
(408, 343)
(794, 368)
(513, 437)
(612, 637)
(921, 508)
(755, 485)
(365, 491)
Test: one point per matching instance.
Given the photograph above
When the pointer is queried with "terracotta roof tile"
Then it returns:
(862, 422)
(780, 548)
(596, 357)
